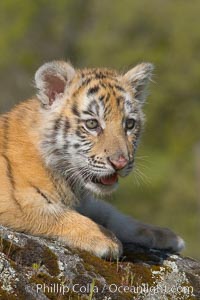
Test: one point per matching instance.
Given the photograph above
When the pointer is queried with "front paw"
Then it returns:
(159, 238)
(97, 240)
(151, 236)
(106, 245)
(165, 238)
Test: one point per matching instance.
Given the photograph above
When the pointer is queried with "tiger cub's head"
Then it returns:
(91, 122)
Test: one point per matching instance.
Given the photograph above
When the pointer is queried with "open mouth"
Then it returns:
(107, 180)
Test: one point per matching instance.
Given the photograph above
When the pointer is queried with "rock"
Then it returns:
(42, 269)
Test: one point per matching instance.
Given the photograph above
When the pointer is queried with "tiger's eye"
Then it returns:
(130, 124)
(92, 124)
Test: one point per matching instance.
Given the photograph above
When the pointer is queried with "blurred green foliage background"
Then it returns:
(165, 188)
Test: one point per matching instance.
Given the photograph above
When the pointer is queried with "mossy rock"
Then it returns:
(42, 269)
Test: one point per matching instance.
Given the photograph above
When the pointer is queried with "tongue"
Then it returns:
(109, 180)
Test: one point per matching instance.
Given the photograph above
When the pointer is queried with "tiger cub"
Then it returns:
(72, 141)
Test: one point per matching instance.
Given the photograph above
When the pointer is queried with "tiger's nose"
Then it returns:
(118, 162)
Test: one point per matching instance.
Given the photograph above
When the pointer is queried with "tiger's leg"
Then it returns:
(128, 229)
(66, 225)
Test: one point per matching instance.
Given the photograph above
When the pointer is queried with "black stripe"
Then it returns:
(57, 152)
(107, 110)
(93, 107)
(101, 98)
(75, 110)
(66, 146)
(78, 133)
(100, 75)
(119, 100)
(57, 124)
(56, 128)
(88, 113)
(107, 98)
(8, 163)
(93, 90)
(110, 85)
(6, 129)
(83, 130)
(67, 124)
(9, 171)
(83, 151)
(76, 146)
(97, 167)
(102, 84)
(87, 143)
(86, 82)
(11, 179)
(41, 194)
(119, 88)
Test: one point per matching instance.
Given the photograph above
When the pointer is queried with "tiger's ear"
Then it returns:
(138, 78)
(51, 79)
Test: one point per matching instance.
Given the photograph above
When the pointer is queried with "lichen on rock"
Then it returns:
(38, 268)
